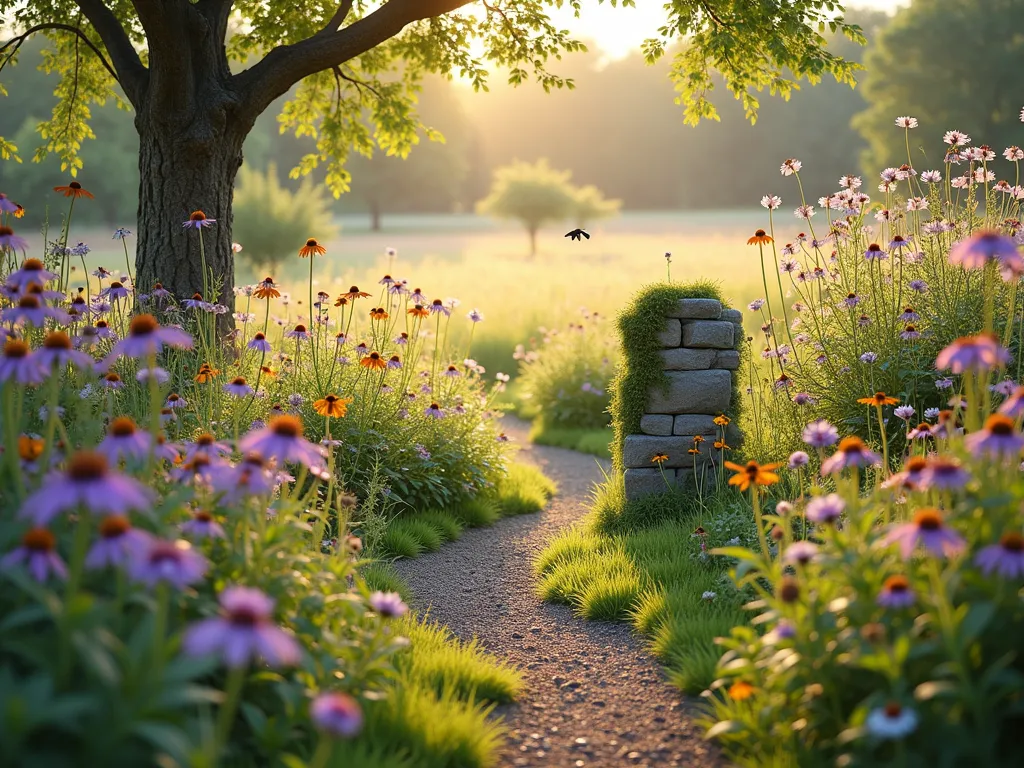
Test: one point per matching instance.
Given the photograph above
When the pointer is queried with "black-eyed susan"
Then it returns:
(74, 189)
(760, 238)
(698, 439)
(379, 313)
(354, 293)
(741, 690)
(419, 310)
(206, 373)
(332, 406)
(722, 420)
(693, 451)
(312, 248)
(659, 458)
(374, 362)
(720, 445)
(878, 399)
(752, 474)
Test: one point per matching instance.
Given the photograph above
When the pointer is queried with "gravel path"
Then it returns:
(593, 696)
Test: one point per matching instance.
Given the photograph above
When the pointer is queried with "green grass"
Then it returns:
(384, 577)
(398, 541)
(524, 490)
(478, 513)
(653, 577)
(445, 523)
(596, 442)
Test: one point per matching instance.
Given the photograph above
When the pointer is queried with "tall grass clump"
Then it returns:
(887, 585)
(564, 379)
(182, 512)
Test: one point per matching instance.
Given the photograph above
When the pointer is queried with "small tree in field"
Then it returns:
(270, 219)
(533, 194)
(590, 204)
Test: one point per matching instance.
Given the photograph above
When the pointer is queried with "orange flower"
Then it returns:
(19, 211)
(753, 474)
(379, 313)
(312, 248)
(419, 311)
(29, 448)
(878, 399)
(698, 439)
(354, 293)
(374, 362)
(740, 690)
(722, 420)
(341, 301)
(206, 373)
(268, 371)
(659, 458)
(266, 289)
(74, 189)
(695, 451)
(721, 446)
(760, 238)
(332, 406)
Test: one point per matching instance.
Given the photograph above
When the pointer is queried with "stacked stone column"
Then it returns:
(700, 342)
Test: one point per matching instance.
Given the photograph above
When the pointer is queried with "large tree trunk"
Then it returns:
(181, 173)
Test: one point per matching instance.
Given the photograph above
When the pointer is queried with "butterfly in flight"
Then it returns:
(575, 234)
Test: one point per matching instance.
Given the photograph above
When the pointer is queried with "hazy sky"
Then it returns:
(618, 31)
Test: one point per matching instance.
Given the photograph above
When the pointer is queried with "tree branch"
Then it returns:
(339, 16)
(131, 74)
(288, 64)
(19, 39)
(714, 16)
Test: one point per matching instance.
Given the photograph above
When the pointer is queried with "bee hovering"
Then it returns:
(575, 234)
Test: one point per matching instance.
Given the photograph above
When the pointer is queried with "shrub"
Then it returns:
(565, 379)
(523, 490)
(270, 219)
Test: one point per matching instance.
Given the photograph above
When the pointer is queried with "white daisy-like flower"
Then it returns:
(1013, 153)
(850, 182)
(790, 166)
(804, 211)
(771, 202)
(931, 177)
(917, 204)
(891, 721)
(906, 122)
(956, 138)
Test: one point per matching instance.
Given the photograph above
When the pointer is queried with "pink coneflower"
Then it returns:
(336, 714)
(1005, 558)
(86, 483)
(198, 220)
(825, 509)
(820, 434)
(168, 562)
(998, 440)
(282, 440)
(116, 542)
(243, 632)
(434, 411)
(125, 441)
(203, 526)
(927, 528)
(981, 248)
(114, 291)
(911, 476)
(945, 474)
(979, 353)
(12, 241)
(20, 365)
(896, 593)
(238, 387)
(260, 344)
(32, 310)
(57, 351)
(146, 338)
(801, 552)
(298, 332)
(206, 445)
(31, 271)
(1013, 406)
(852, 452)
(798, 459)
(175, 401)
(38, 555)
(921, 432)
(452, 372)
(388, 604)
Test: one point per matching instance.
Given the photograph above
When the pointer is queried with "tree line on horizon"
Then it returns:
(617, 130)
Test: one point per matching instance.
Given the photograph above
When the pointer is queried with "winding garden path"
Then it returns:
(593, 696)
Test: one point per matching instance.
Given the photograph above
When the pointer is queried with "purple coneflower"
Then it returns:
(146, 338)
(801, 552)
(125, 440)
(12, 241)
(198, 220)
(875, 251)
(896, 593)
(116, 542)
(982, 247)
(451, 372)
(250, 477)
(206, 445)
(169, 562)
(945, 474)
(32, 310)
(910, 333)
(20, 365)
(891, 722)
(904, 412)
(825, 509)
(820, 434)
(114, 291)
(336, 714)
(31, 271)
(299, 332)
(85, 482)
(243, 632)
(282, 440)
(238, 387)
(798, 459)
(38, 555)
(1013, 406)
(57, 350)
(203, 526)
(927, 528)
(998, 440)
(260, 344)
(921, 432)
(434, 411)
(979, 353)
(852, 452)
(388, 604)
(1005, 558)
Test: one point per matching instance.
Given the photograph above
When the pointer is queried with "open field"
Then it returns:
(484, 264)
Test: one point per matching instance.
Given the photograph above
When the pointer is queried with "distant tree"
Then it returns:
(589, 205)
(271, 221)
(532, 193)
(952, 64)
(172, 62)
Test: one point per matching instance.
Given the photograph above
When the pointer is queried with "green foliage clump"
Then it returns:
(522, 490)
(478, 512)
(640, 366)
(382, 576)
(565, 378)
(271, 221)
(398, 542)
